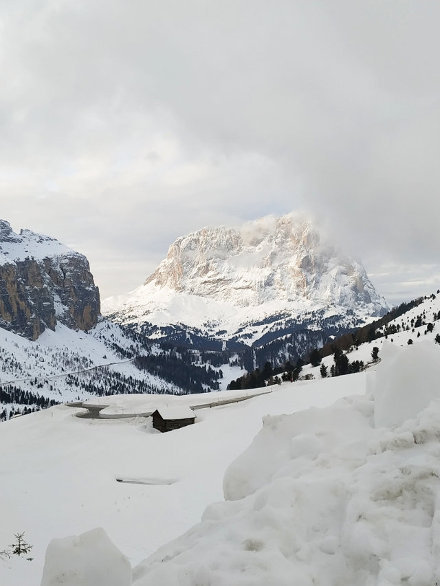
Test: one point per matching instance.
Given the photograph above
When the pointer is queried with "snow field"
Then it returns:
(341, 494)
(58, 473)
(325, 496)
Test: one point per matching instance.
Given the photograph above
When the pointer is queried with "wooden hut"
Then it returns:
(169, 418)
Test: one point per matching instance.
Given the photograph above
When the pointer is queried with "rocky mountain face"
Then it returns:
(271, 285)
(43, 282)
(272, 259)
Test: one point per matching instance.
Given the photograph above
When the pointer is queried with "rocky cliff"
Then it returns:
(43, 282)
(270, 259)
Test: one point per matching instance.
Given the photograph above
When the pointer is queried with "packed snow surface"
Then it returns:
(400, 374)
(87, 560)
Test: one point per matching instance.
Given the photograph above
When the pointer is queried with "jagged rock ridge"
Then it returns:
(270, 259)
(43, 282)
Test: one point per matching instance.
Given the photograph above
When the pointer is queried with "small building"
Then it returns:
(169, 418)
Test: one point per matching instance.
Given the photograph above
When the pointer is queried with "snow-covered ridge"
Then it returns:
(17, 247)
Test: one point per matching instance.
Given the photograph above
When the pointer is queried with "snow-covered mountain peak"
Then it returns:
(265, 260)
(250, 284)
(17, 247)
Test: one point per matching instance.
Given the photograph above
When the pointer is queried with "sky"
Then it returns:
(124, 125)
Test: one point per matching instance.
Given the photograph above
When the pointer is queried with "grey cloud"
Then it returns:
(124, 125)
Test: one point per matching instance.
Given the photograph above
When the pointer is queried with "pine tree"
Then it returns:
(20, 547)
(342, 364)
(315, 357)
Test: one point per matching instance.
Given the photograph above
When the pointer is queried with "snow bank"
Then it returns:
(405, 382)
(90, 559)
(301, 437)
(326, 496)
(341, 495)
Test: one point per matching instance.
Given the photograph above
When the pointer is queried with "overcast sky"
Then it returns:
(126, 123)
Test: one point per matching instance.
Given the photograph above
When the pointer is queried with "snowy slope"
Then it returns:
(27, 244)
(342, 494)
(68, 365)
(397, 332)
(345, 494)
(58, 472)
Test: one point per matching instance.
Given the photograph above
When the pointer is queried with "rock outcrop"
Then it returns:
(43, 282)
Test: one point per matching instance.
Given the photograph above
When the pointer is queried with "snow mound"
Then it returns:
(322, 497)
(348, 494)
(405, 382)
(301, 437)
(90, 559)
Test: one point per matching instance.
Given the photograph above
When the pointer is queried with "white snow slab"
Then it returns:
(173, 413)
(90, 559)
(405, 382)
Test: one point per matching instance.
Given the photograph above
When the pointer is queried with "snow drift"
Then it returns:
(343, 495)
(406, 382)
(88, 560)
(347, 494)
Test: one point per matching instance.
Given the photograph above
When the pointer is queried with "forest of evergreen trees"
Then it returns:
(178, 367)
(27, 400)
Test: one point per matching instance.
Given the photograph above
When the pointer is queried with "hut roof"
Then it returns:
(172, 413)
